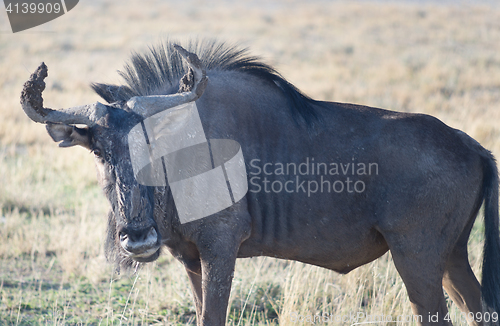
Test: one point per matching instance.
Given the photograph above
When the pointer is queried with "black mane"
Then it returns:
(159, 71)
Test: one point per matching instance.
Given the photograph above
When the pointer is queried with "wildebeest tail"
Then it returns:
(490, 285)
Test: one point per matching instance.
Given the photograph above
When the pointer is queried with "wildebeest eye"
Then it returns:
(97, 152)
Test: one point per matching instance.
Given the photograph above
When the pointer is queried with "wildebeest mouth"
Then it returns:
(147, 256)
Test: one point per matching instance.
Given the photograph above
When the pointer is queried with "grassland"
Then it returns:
(440, 59)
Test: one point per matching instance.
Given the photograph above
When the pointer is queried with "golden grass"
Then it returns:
(438, 59)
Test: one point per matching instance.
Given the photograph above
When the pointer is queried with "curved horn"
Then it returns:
(147, 106)
(32, 103)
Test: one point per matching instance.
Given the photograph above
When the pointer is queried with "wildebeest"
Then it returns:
(330, 184)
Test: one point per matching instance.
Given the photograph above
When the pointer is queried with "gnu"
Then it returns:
(421, 205)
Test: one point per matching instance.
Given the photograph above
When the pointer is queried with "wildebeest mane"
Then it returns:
(159, 70)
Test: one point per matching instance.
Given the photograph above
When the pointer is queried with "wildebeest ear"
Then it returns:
(69, 135)
(112, 93)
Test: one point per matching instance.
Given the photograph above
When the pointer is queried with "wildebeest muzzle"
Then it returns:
(140, 244)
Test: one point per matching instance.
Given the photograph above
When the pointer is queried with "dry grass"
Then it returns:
(433, 58)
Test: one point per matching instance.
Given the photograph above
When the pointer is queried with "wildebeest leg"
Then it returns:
(217, 264)
(422, 273)
(217, 279)
(197, 293)
(461, 284)
(218, 246)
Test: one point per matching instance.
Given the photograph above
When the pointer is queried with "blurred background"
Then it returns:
(436, 57)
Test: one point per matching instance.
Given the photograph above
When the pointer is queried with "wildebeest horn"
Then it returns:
(191, 89)
(32, 103)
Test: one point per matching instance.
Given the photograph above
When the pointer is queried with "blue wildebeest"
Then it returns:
(415, 187)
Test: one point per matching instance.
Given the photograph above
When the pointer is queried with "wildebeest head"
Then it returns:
(133, 234)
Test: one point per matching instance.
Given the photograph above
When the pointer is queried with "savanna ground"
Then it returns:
(440, 59)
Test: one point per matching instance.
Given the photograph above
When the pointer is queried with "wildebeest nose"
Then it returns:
(140, 243)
